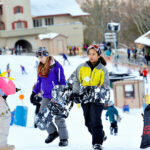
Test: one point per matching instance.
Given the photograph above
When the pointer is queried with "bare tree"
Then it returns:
(133, 15)
(101, 13)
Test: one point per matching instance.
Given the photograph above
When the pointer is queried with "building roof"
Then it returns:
(56, 7)
(144, 39)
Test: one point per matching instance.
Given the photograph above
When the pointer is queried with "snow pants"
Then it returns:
(5, 118)
(92, 115)
(60, 123)
(114, 127)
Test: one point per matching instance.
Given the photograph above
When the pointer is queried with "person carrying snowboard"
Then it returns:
(50, 73)
(111, 112)
(92, 73)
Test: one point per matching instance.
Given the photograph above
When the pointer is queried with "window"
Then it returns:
(2, 26)
(1, 10)
(18, 9)
(37, 22)
(19, 25)
(49, 21)
(129, 91)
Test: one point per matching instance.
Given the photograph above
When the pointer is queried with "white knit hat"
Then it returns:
(110, 103)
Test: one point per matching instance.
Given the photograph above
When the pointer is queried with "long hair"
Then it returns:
(103, 61)
(43, 69)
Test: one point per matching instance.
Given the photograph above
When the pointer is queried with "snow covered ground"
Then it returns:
(130, 128)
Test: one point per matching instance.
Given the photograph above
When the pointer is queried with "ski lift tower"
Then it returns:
(112, 36)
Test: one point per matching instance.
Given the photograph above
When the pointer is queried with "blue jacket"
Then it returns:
(111, 112)
(55, 77)
(64, 56)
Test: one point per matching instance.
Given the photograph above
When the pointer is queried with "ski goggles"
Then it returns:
(41, 54)
(95, 47)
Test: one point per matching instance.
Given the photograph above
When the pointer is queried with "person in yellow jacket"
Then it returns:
(92, 73)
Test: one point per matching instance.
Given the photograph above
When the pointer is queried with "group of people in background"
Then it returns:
(16, 50)
(132, 51)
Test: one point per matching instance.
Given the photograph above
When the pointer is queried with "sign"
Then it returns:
(110, 37)
(110, 40)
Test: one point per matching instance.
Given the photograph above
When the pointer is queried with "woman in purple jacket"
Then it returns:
(50, 73)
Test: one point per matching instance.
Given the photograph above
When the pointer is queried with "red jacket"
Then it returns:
(144, 73)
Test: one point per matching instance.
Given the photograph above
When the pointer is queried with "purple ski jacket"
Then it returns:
(55, 77)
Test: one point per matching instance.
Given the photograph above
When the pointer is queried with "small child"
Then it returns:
(5, 118)
(111, 112)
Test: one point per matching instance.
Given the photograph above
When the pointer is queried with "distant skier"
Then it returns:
(23, 69)
(111, 112)
(65, 58)
(8, 69)
(129, 53)
(145, 72)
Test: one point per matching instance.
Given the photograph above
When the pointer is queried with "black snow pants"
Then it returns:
(92, 115)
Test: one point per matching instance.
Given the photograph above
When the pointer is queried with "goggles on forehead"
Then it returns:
(41, 54)
(95, 47)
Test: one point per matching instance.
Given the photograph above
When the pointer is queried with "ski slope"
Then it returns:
(29, 138)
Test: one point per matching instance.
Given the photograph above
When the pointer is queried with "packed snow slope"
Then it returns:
(29, 138)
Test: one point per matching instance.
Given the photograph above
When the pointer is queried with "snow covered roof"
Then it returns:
(144, 39)
(48, 36)
(56, 7)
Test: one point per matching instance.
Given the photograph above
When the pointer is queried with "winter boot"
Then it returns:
(116, 131)
(8, 147)
(51, 137)
(97, 147)
(111, 130)
(63, 142)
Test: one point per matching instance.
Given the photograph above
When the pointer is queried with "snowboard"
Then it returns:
(58, 106)
(146, 129)
(95, 94)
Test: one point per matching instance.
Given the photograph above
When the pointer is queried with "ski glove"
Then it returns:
(34, 99)
(75, 98)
